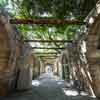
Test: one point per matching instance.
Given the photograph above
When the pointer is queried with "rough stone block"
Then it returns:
(3, 89)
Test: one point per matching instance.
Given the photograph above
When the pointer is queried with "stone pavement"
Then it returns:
(48, 88)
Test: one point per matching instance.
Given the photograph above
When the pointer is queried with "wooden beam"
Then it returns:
(47, 48)
(48, 53)
(61, 41)
(47, 56)
(46, 21)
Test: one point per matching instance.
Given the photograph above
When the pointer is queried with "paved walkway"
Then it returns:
(48, 88)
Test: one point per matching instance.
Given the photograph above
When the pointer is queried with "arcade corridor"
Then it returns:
(47, 87)
(49, 49)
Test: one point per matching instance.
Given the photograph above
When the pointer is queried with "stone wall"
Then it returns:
(37, 67)
(15, 56)
(84, 59)
(93, 51)
(7, 54)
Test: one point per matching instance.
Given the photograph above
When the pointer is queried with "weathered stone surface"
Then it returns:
(93, 54)
(7, 47)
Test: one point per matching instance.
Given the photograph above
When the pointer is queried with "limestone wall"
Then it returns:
(84, 59)
(93, 43)
(7, 54)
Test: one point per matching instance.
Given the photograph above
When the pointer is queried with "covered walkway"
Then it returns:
(47, 87)
(48, 55)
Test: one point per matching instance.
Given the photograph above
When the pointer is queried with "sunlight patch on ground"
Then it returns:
(35, 83)
(83, 93)
(60, 80)
(69, 84)
(70, 92)
(59, 83)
